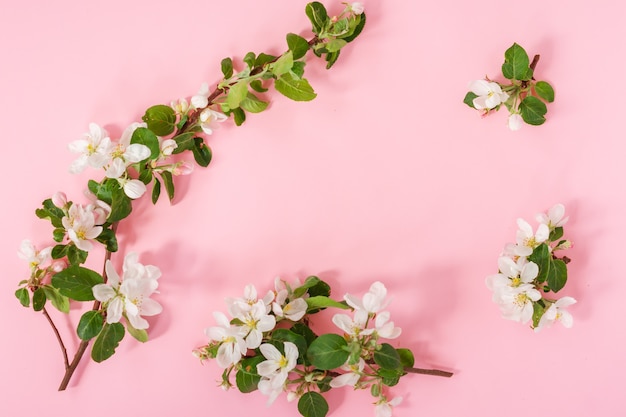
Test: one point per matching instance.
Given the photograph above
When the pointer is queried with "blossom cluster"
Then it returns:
(269, 345)
(522, 96)
(529, 270)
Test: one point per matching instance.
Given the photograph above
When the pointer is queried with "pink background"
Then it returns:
(386, 175)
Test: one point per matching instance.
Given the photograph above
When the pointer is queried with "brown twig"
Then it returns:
(59, 339)
(70, 368)
(434, 372)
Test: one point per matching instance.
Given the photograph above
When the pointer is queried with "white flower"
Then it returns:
(255, 321)
(294, 310)
(238, 306)
(557, 312)
(526, 240)
(232, 346)
(554, 218)
(353, 327)
(95, 149)
(351, 377)
(489, 94)
(180, 107)
(81, 226)
(515, 121)
(277, 366)
(517, 303)
(129, 296)
(383, 407)
(208, 118)
(512, 288)
(384, 327)
(30, 254)
(372, 302)
(168, 146)
(200, 100)
(266, 388)
(357, 7)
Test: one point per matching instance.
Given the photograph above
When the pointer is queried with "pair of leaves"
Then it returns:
(552, 271)
(41, 295)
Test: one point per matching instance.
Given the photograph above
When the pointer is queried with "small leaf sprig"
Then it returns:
(144, 156)
(523, 96)
(531, 273)
(269, 344)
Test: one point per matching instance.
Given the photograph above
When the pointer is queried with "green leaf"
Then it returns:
(59, 251)
(320, 301)
(304, 331)
(312, 404)
(285, 335)
(542, 257)
(107, 341)
(76, 256)
(298, 69)
(263, 59)
(360, 24)
(58, 234)
(77, 282)
(156, 191)
(545, 91)
(557, 276)
(316, 12)
(60, 302)
(23, 295)
(252, 104)
(39, 299)
(121, 204)
(161, 120)
(331, 58)
(390, 377)
(149, 138)
(184, 141)
(107, 238)
(257, 86)
(283, 64)
(145, 174)
(247, 377)
(533, 110)
(90, 325)
(407, 360)
(202, 153)
(168, 181)
(249, 59)
(469, 99)
(327, 351)
(139, 334)
(297, 45)
(387, 357)
(239, 116)
(236, 93)
(227, 67)
(309, 282)
(556, 234)
(516, 63)
(335, 45)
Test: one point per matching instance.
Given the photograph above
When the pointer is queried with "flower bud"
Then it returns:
(59, 199)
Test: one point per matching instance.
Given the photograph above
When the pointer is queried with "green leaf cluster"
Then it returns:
(333, 33)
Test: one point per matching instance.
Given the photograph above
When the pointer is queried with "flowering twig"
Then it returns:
(141, 157)
(269, 344)
(530, 269)
(524, 97)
